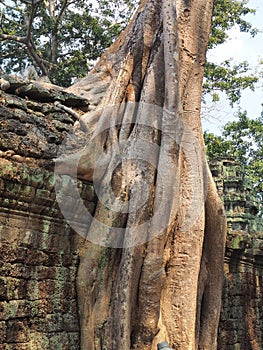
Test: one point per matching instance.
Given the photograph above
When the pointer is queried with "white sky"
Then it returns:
(241, 47)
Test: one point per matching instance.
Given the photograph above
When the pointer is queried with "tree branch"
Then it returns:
(46, 5)
(74, 114)
(42, 64)
(34, 5)
(27, 39)
(62, 10)
(19, 39)
(56, 31)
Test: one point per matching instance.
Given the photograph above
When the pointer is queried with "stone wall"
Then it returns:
(241, 321)
(38, 250)
(241, 324)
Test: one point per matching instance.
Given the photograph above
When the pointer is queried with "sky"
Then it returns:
(240, 47)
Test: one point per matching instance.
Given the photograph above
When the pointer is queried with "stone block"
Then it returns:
(12, 254)
(11, 234)
(69, 291)
(44, 272)
(15, 309)
(2, 332)
(74, 340)
(3, 289)
(39, 340)
(54, 322)
(59, 341)
(36, 258)
(48, 324)
(16, 289)
(70, 323)
(17, 331)
(46, 288)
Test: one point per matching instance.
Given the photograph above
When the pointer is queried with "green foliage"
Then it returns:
(227, 14)
(12, 24)
(242, 139)
(68, 35)
(231, 79)
(217, 147)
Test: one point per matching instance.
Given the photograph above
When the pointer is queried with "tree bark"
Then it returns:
(161, 277)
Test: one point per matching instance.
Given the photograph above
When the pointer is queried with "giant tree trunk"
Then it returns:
(151, 270)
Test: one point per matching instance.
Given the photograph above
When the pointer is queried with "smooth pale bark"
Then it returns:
(168, 288)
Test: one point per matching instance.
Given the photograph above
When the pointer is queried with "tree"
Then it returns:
(145, 140)
(61, 39)
(241, 139)
(64, 38)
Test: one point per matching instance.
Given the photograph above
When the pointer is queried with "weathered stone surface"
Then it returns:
(241, 321)
(38, 250)
(17, 331)
(43, 92)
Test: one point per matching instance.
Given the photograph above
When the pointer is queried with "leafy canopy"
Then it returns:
(227, 14)
(61, 38)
